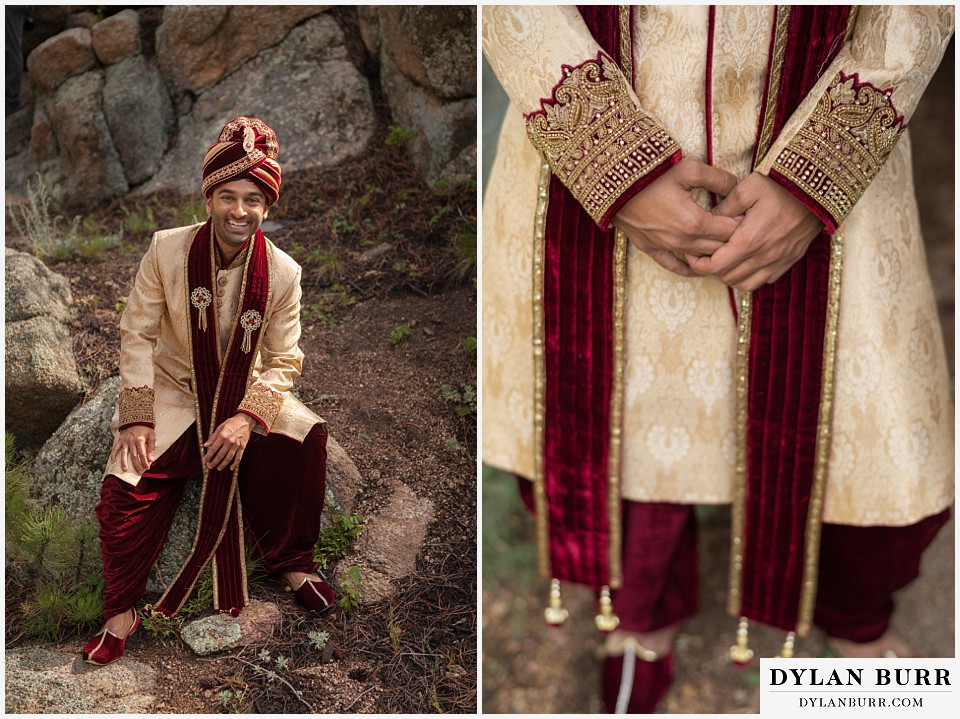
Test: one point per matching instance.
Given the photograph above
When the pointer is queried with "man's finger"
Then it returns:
(215, 457)
(151, 446)
(123, 457)
(227, 459)
(671, 262)
(736, 203)
(701, 246)
(699, 174)
(715, 227)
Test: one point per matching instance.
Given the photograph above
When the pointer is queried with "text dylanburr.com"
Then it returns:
(825, 688)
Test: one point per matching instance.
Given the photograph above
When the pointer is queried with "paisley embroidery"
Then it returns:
(709, 381)
(672, 302)
(596, 140)
(909, 449)
(840, 149)
(886, 273)
(668, 444)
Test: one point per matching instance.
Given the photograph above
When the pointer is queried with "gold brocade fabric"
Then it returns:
(892, 451)
(155, 342)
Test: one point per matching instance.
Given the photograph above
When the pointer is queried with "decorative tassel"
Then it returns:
(787, 651)
(250, 321)
(606, 620)
(201, 298)
(555, 614)
(741, 653)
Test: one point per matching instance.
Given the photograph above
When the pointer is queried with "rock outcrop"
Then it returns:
(115, 110)
(68, 472)
(391, 539)
(117, 37)
(220, 632)
(83, 136)
(332, 122)
(429, 87)
(62, 56)
(42, 383)
(38, 681)
(199, 45)
(139, 115)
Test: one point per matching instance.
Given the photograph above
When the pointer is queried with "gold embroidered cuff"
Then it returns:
(595, 139)
(136, 406)
(262, 403)
(841, 147)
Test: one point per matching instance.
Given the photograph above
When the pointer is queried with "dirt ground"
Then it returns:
(389, 314)
(529, 668)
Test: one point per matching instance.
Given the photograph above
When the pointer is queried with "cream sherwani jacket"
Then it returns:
(155, 347)
(891, 459)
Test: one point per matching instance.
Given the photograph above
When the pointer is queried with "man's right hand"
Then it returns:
(665, 221)
(134, 446)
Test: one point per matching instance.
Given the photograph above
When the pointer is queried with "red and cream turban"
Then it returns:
(246, 150)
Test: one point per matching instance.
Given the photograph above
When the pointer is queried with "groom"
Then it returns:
(209, 353)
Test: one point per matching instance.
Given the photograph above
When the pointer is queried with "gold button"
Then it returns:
(219, 303)
(220, 292)
(222, 281)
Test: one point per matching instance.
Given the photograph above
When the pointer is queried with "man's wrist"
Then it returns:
(251, 421)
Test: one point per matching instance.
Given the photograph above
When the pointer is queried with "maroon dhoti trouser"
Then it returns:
(282, 484)
(860, 569)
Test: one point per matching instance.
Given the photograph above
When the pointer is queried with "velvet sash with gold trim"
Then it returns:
(219, 383)
(578, 291)
(785, 392)
(578, 305)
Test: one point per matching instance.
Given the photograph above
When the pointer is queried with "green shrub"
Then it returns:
(399, 334)
(55, 559)
(350, 583)
(337, 538)
(397, 136)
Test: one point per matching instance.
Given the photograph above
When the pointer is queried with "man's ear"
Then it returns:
(209, 205)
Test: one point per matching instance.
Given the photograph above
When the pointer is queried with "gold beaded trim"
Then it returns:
(811, 559)
(136, 405)
(539, 374)
(843, 145)
(595, 139)
(262, 402)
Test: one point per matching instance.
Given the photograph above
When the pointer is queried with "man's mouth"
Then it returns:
(237, 225)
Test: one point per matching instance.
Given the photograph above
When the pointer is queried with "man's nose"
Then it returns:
(236, 209)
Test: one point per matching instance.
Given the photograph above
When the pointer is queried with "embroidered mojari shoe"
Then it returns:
(315, 595)
(635, 681)
(106, 647)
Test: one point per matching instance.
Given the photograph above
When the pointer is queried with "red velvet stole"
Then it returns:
(786, 368)
(219, 387)
(578, 365)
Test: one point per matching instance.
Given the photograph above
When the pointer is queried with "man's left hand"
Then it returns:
(775, 232)
(226, 444)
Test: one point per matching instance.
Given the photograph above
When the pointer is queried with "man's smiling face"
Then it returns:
(238, 209)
